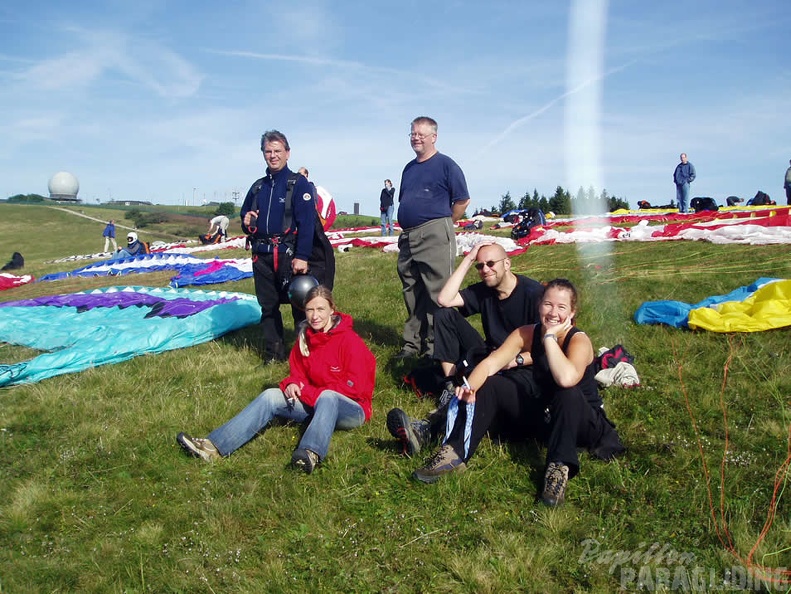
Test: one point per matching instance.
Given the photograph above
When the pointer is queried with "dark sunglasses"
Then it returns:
(489, 263)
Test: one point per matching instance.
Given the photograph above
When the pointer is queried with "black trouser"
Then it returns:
(454, 337)
(511, 403)
(507, 404)
(271, 289)
(574, 423)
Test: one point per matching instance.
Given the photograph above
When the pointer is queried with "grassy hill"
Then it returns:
(96, 495)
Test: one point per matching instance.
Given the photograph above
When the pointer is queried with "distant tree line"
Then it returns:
(562, 202)
(226, 208)
(144, 219)
(26, 199)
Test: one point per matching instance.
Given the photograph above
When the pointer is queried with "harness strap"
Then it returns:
(289, 206)
(274, 240)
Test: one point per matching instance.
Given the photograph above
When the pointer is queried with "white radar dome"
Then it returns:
(63, 184)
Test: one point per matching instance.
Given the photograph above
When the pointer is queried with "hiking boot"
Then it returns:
(412, 433)
(444, 461)
(555, 480)
(305, 460)
(198, 447)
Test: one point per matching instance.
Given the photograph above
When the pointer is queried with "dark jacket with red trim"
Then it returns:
(268, 196)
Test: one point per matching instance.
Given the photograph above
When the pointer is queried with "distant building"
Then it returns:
(63, 187)
(131, 202)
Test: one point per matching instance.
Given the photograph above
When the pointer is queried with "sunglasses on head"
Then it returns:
(488, 263)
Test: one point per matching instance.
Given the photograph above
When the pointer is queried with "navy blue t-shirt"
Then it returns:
(428, 190)
(500, 317)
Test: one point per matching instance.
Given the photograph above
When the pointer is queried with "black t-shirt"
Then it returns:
(501, 317)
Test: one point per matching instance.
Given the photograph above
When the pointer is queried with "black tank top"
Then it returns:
(543, 375)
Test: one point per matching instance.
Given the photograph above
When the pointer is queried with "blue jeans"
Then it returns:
(332, 411)
(682, 194)
(121, 255)
(387, 221)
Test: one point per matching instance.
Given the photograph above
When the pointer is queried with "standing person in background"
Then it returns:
(432, 197)
(682, 177)
(109, 236)
(322, 256)
(386, 207)
(787, 185)
(303, 171)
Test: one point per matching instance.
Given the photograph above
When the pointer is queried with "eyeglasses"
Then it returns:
(417, 136)
(488, 263)
(273, 152)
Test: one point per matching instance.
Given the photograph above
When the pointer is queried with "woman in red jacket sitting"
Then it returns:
(330, 382)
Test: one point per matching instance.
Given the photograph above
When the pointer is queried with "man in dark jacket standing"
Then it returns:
(682, 177)
(109, 236)
(386, 207)
(281, 233)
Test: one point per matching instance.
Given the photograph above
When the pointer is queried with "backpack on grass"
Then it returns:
(533, 217)
(15, 263)
(209, 238)
(699, 204)
(611, 357)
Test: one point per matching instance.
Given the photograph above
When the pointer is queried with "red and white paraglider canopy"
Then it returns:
(325, 207)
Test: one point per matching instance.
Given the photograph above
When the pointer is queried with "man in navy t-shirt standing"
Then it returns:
(433, 195)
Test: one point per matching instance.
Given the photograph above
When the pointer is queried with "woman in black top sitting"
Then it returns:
(563, 409)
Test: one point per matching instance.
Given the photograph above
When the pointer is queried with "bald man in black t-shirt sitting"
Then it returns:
(505, 301)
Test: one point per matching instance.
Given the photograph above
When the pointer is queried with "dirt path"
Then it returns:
(85, 216)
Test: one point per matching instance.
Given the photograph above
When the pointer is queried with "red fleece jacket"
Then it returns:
(339, 360)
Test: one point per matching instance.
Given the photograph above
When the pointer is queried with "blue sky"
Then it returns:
(150, 99)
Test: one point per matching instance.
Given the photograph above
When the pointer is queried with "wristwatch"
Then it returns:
(520, 360)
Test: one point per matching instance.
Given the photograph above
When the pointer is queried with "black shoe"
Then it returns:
(413, 434)
(305, 460)
(275, 352)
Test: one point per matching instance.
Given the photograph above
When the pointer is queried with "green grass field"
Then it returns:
(96, 496)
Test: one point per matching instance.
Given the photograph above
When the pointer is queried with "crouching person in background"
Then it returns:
(564, 411)
(330, 385)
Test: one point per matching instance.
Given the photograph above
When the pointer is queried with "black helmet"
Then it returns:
(298, 289)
